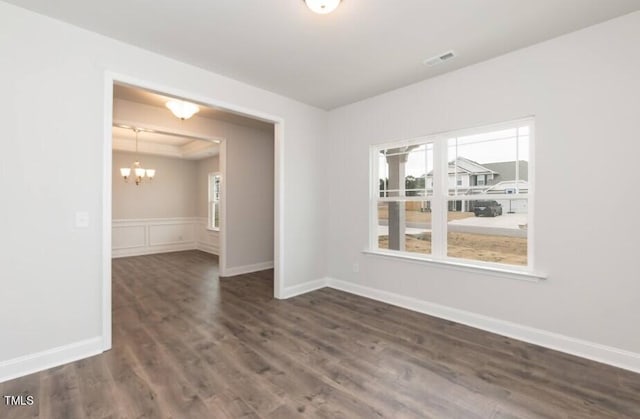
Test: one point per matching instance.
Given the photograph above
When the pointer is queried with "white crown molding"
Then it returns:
(129, 146)
(194, 150)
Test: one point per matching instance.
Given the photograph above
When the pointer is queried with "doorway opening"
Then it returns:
(216, 184)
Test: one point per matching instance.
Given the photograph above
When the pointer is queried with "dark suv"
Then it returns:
(490, 208)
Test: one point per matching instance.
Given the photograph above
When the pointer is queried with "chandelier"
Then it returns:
(139, 172)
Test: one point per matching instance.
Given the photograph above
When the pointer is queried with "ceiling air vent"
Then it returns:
(439, 59)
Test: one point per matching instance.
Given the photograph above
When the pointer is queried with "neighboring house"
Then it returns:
(511, 187)
(467, 177)
(507, 171)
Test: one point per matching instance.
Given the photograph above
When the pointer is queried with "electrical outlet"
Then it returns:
(356, 267)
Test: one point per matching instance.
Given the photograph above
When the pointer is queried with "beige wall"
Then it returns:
(203, 168)
(249, 185)
(249, 194)
(172, 193)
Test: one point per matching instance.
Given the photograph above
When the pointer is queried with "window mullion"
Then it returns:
(439, 208)
(374, 194)
(531, 191)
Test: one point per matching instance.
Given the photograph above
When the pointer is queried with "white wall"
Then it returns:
(173, 193)
(584, 91)
(53, 98)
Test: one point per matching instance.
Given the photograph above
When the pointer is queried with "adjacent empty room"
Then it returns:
(319, 209)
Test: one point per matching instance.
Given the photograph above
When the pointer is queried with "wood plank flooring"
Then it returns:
(187, 345)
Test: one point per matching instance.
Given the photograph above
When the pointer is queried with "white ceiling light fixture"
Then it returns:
(137, 168)
(322, 7)
(181, 109)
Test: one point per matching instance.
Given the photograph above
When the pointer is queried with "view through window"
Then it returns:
(461, 195)
(214, 200)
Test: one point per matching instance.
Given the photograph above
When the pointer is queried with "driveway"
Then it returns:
(502, 225)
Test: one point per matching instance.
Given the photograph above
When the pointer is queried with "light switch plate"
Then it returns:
(82, 219)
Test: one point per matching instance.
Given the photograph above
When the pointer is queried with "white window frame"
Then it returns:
(441, 198)
(212, 200)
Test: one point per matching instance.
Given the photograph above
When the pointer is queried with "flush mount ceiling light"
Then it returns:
(322, 7)
(181, 109)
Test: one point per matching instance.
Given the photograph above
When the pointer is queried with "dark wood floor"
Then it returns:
(187, 345)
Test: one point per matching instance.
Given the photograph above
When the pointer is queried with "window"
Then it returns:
(214, 201)
(403, 204)
(461, 196)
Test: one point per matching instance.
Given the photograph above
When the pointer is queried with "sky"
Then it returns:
(492, 147)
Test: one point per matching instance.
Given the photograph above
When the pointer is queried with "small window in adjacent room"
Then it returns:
(214, 201)
(461, 196)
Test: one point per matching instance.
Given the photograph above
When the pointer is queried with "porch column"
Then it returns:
(397, 223)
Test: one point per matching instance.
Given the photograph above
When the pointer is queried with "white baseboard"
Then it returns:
(152, 250)
(28, 364)
(247, 269)
(584, 349)
(303, 288)
(208, 248)
(50, 358)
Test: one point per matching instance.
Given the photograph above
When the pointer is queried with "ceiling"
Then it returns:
(164, 140)
(364, 48)
(163, 144)
(145, 97)
(151, 137)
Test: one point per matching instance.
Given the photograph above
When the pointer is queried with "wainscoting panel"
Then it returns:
(171, 233)
(208, 240)
(129, 236)
(135, 237)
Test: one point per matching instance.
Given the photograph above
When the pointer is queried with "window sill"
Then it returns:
(467, 267)
(213, 229)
